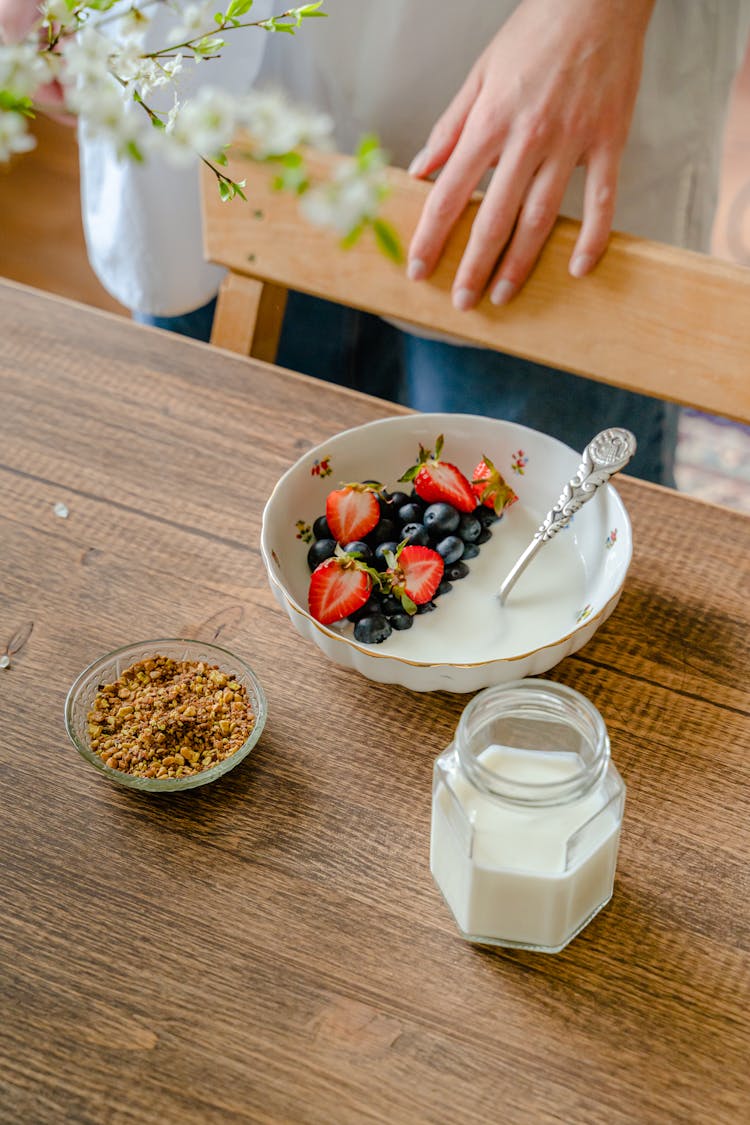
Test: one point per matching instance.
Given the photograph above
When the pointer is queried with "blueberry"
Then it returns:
(384, 531)
(410, 513)
(470, 551)
(402, 621)
(469, 527)
(320, 551)
(451, 549)
(441, 519)
(372, 630)
(371, 606)
(358, 547)
(416, 534)
(484, 536)
(397, 500)
(444, 588)
(321, 530)
(392, 605)
(379, 560)
(456, 571)
(485, 515)
(426, 607)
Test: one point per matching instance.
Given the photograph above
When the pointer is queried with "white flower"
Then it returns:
(57, 12)
(204, 124)
(21, 69)
(278, 126)
(351, 198)
(87, 57)
(113, 114)
(133, 25)
(196, 20)
(14, 136)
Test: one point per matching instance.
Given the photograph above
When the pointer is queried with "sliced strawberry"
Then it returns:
(338, 586)
(415, 575)
(436, 480)
(353, 511)
(490, 487)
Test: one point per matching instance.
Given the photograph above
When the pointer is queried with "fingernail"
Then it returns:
(502, 292)
(419, 163)
(464, 299)
(581, 265)
(416, 269)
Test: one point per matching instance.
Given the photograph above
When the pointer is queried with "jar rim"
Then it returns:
(547, 698)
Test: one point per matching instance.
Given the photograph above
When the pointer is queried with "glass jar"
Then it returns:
(526, 815)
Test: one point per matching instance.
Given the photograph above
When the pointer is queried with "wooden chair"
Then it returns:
(651, 318)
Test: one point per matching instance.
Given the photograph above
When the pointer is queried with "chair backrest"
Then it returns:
(651, 318)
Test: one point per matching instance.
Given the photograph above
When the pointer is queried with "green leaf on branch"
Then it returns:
(14, 103)
(353, 236)
(221, 158)
(308, 12)
(388, 240)
(132, 150)
(276, 24)
(370, 155)
(207, 46)
(228, 189)
(239, 8)
(293, 175)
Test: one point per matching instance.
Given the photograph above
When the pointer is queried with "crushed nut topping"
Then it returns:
(169, 718)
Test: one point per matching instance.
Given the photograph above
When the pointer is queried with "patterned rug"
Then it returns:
(713, 460)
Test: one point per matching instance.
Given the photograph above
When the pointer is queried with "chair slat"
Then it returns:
(651, 318)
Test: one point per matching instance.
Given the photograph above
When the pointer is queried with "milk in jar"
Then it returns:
(526, 816)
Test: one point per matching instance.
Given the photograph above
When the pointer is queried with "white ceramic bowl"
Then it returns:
(469, 642)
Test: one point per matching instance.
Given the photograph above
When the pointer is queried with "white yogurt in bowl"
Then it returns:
(469, 641)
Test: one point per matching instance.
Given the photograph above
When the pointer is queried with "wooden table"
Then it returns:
(272, 947)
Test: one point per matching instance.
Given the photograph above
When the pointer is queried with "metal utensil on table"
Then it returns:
(606, 454)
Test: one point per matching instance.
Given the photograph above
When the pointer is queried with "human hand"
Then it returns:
(555, 88)
(17, 17)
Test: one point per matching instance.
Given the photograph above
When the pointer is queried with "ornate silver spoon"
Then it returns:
(605, 455)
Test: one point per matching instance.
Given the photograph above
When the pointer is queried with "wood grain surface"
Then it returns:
(652, 318)
(272, 948)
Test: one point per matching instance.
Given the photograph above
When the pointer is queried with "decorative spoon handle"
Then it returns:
(606, 454)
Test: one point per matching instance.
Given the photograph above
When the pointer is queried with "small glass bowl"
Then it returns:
(108, 668)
